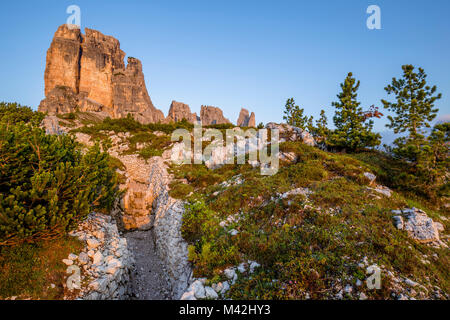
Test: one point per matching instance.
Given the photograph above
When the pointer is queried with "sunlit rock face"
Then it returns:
(63, 60)
(179, 111)
(212, 115)
(245, 119)
(92, 71)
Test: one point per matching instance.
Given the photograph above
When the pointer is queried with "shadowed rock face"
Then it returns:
(179, 111)
(212, 115)
(92, 67)
(131, 96)
(246, 120)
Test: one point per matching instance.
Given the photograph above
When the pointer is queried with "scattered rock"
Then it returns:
(83, 258)
(370, 176)
(382, 190)
(411, 283)
(73, 256)
(362, 296)
(211, 293)
(93, 243)
(199, 289)
(419, 226)
(398, 222)
(189, 295)
(67, 262)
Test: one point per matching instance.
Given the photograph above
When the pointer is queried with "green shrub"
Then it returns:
(46, 184)
(198, 221)
(13, 113)
(180, 190)
(149, 151)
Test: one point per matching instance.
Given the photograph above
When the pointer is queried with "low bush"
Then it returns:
(46, 184)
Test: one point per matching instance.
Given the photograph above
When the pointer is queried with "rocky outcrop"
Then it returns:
(419, 226)
(252, 120)
(212, 115)
(179, 111)
(137, 199)
(106, 261)
(291, 133)
(62, 99)
(199, 290)
(246, 120)
(87, 73)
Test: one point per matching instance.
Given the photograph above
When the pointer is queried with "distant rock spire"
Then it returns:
(246, 120)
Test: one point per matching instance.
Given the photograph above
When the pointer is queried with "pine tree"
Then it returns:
(353, 129)
(321, 130)
(426, 158)
(414, 109)
(294, 116)
(438, 161)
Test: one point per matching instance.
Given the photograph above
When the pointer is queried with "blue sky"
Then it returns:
(233, 54)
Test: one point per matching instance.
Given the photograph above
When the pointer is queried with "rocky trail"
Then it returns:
(148, 280)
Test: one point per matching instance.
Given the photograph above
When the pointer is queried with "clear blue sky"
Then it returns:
(233, 54)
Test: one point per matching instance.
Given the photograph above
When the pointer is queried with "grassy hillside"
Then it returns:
(311, 244)
(315, 242)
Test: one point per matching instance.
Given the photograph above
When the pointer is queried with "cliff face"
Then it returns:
(91, 71)
(87, 73)
(63, 60)
(212, 115)
(100, 56)
(130, 94)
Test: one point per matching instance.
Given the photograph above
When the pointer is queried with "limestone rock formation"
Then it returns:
(89, 74)
(63, 99)
(252, 120)
(419, 226)
(246, 120)
(212, 115)
(179, 111)
(63, 60)
(100, 57)
(291, 133)
(131, 96)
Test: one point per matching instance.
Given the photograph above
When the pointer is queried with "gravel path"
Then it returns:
(148, 280)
